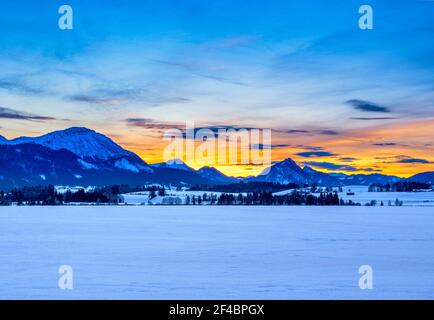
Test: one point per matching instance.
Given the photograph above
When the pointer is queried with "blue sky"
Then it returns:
(286, 65)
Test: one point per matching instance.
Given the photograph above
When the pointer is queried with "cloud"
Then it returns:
(348, 159)
(385, 144)
(313, 154)
(92, 99)
(151, 124)
(17, 85)
(322, 132)
(331, 166)
(115, 97)
(297, 131)
(414, 160)
(261, 146)
(311, 148)
(366, 106)
(328, 132)
(195, 71)
(6, 113)
(376, 118)
(372, 170)
(402, 159)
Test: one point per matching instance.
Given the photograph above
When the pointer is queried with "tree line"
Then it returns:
(266, 198)
(402, 186)
(48, 195)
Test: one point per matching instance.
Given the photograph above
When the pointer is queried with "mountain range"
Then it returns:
(80, 156)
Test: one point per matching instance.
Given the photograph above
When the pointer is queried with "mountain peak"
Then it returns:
(289, 161)
(78, 130)
(214, 174)
(284, 172)
(173, 164)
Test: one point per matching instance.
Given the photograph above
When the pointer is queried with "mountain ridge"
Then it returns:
(95, 153)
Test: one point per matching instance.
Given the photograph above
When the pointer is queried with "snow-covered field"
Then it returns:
(146, 252)
(362, 196)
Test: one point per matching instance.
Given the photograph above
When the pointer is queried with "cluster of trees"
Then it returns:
(154, 191)
(374, 203)
(204, 199)
(405, 186)
(47, 195)
(266, 198)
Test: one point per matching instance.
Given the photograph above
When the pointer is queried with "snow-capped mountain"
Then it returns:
(173, 164)
(288, 171)
(215, 175)
(95, 150)
(85, 143)
(284, 172)
(80, 156)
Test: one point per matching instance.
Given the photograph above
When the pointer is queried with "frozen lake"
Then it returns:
(216, 252)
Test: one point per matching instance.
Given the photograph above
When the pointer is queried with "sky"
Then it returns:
(336, 97)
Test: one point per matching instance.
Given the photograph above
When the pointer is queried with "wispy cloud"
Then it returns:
(414, 160)
(269, 147)
(348, 159)
(314, 154)
(385, 144)
(7, 113)
(331, 166)
(152, 124)
(235, 41)
(325, 132)
(366, 106)
(296, 131)
(328, 132)
(19, 86)
(114, 97)
(373, 118)
(198, 72)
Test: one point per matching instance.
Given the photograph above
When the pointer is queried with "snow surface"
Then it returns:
(216, 252)
(142, 197)
(126, 165)
(362, 196)
(86, 166)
